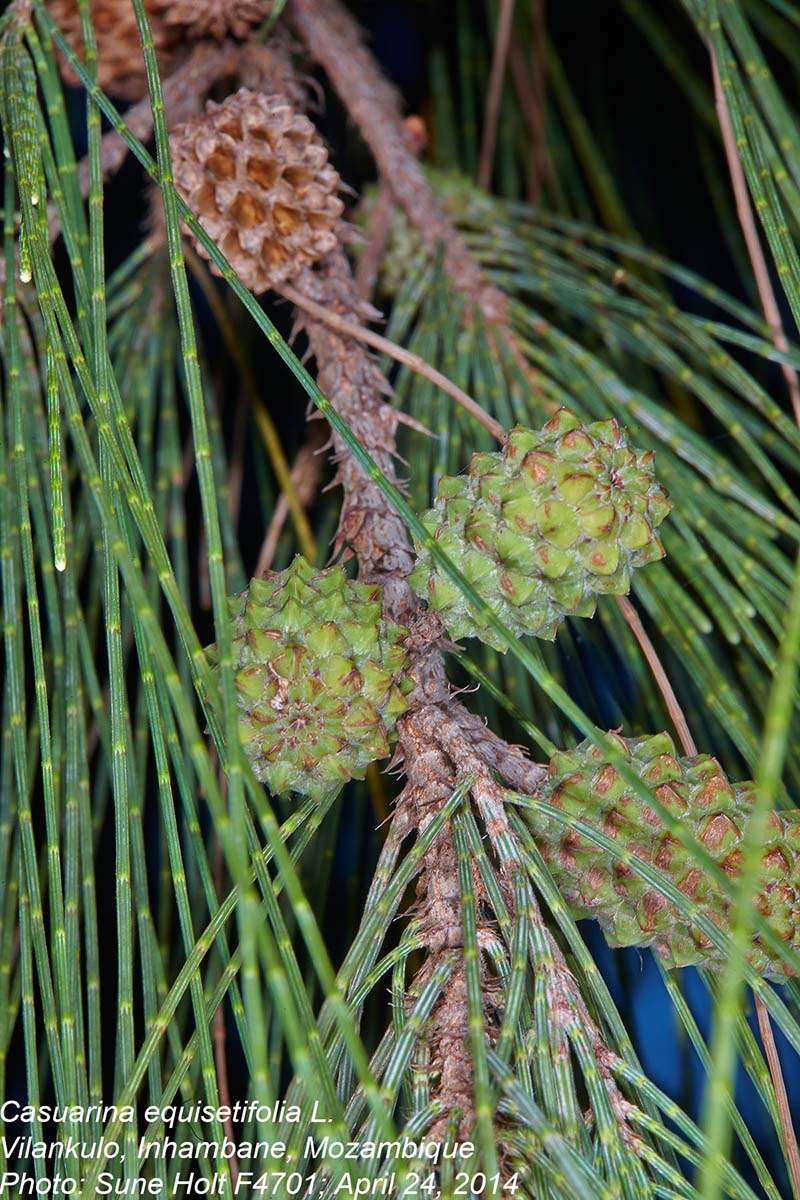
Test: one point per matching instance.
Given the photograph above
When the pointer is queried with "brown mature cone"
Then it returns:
(214, 18)
(120, 62)
(257, 174)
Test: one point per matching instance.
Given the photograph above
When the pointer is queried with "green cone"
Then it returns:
(319, 676)
(406, 252)
(560, 516)
(593, 883)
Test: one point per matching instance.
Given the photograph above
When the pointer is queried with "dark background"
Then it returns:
(650, 135)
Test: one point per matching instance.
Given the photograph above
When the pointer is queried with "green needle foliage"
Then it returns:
(177, 933)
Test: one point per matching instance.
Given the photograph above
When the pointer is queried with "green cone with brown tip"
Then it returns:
(595, 883)
(558, 517)
(320, 677)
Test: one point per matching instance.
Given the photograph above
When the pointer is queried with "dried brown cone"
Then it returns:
(214, 18)
(257, 175)
(120, 62)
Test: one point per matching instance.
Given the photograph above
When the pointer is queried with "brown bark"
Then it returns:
(435, 750)
(333, 39)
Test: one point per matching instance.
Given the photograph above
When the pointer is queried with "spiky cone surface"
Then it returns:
(560, 516)
(257, 175)
(120, 61)
(584, 784)
(320, 677)
(214, 18)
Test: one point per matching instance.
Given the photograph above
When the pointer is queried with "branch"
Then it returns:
(510, 762)
(380, 220)
(439, 741)
(333, 39)
(435, 740)
(784, 1108)
(532, 101)
(377, 236)
(752, 241)
(355, 330)
(634, 622)
(499, 58)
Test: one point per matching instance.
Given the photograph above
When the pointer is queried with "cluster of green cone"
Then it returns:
(540, 529)
(595, 883)
(320, 677)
